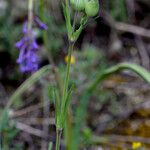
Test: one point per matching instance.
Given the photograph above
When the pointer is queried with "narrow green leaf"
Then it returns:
(28, 83)
(68, 19)
(67, 103)
(57, 109)
(24, 86)
(77, 33)
(82, 108)
(143, 73)
(50, 146)
(4, 120)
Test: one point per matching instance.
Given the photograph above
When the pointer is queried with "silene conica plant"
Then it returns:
(28, 61)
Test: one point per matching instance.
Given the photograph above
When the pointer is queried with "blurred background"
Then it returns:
(118, 116)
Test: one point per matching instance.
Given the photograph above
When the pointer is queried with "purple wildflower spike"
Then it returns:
(28, 58)
(40, 23)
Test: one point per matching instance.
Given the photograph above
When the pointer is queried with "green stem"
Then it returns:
(58, 138)
(65, 89)
(68, 129)
(67, 2)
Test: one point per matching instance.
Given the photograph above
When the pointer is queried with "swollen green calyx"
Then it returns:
(78, 4)
(90, 7)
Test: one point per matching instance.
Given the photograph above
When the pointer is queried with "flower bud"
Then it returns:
(78, 4)
(91, 7)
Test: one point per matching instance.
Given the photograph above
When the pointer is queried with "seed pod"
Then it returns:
(91, 7)
(78, 4)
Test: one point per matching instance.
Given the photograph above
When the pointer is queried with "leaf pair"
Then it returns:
(76, 34)
(73, 35)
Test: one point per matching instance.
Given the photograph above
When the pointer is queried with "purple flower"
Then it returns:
(25, 27)
(28, 58)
